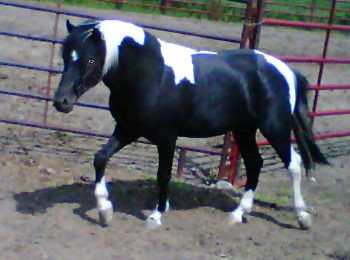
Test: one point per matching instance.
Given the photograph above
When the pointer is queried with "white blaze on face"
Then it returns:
(287, 73)
(74, 56)
(113, 33)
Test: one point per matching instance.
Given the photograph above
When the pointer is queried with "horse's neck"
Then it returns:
(114, 32)
(138, 65)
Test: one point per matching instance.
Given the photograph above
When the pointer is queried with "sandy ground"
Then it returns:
(46, 191)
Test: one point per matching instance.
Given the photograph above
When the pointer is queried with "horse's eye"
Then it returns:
(91, 61)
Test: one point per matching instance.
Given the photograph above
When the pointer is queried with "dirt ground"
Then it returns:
(46, 191)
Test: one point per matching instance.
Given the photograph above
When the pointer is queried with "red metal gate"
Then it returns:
(317, 87)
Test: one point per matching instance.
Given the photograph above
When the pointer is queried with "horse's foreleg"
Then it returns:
(253, 163)
(114, 144)
(166, 154)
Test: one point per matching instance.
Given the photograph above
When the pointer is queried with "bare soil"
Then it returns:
(46, 190)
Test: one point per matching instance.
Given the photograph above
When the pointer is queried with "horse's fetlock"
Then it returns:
(304, 220)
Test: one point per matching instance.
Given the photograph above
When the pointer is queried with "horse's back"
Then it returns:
(223, 96)
(234, 88)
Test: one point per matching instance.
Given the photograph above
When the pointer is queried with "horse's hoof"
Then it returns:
(152, 223)
(106, 215)
(154, 220)
(234, 219)
(304, 220)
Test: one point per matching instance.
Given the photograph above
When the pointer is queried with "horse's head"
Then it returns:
(83, 55)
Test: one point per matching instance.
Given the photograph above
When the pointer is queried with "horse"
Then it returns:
(162, 91)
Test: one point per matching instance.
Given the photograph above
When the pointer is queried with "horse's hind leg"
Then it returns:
(294, 169)
(114, 144)
(253, 163)
(280, 141)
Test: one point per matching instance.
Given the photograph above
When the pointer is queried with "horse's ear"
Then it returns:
(96, 35)
(70, 27)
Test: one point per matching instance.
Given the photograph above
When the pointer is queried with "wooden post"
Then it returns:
(52, 57)
(181, 162)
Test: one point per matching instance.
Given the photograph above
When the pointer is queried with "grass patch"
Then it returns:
(278, 200)
(228, 11)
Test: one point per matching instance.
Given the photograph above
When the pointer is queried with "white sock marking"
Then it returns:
(101, 194)
(294, 169)
(245, 206)
(113, 33)
(287, 73)
(156, 216)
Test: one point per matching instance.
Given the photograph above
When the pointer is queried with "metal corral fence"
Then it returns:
(320, 61)
(234, 10)
(253, 17)
(52, 69)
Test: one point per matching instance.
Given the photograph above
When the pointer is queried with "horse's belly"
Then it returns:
(207, 127)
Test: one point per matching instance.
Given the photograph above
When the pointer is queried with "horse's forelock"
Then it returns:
(78, 36)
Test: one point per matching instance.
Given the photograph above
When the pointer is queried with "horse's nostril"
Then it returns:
(62, 104)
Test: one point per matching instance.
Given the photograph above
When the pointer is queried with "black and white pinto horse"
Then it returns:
(161, 91)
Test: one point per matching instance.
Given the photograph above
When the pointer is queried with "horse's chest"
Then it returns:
(130, 112)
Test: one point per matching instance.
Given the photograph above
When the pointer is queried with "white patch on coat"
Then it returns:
(179, 58)
(287, 73)
(113, 33)
(74, 56)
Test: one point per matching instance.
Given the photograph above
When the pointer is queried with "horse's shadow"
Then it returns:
(133, 197)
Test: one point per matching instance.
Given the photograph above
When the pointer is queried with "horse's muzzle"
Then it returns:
(63, 105)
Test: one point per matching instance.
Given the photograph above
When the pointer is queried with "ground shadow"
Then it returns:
(132, 198)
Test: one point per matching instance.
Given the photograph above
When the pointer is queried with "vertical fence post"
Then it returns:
(257, 23)
(324, 55)
(52, 57)
(181, 162)
(246, 24)
(228, 144)
(224, 155)
(219, 11)
(312, 10)
(164, 5)
(252, 24)
(234, 164)
(251, 32)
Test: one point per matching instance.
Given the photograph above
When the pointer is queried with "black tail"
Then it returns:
(310, 152)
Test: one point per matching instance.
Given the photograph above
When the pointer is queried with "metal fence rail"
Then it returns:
(50, 69)
(235, 10)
